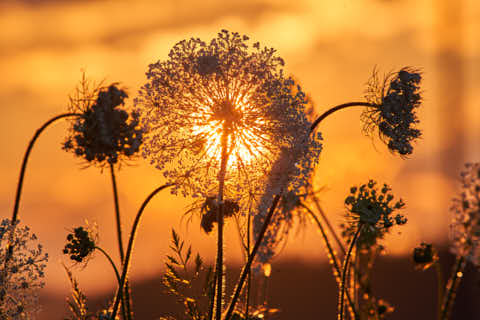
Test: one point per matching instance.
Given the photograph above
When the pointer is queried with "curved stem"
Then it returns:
(111, 263)
(452, 287)
(339, 107)
(332, 256)
(251, 256)
(329, 225)
(128, 253)
(26, 156)
(126, 306)
(341, 299)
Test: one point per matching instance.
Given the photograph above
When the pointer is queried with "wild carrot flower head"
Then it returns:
(81, 244)
(104, 133)
(396, 99)
(222, 95)
(375, 209)
(23, 274)
(466, 220)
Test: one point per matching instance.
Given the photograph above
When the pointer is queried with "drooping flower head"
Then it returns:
(374, 208)
(466, 220)
(395, 101)
(22, 275)
(81, 243)
(104, 133)
(220, 96)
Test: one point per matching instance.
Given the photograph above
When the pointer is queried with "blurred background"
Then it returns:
(331, 47)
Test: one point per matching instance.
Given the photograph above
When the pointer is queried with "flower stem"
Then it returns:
(249, 279)
(117, 274)
(339, 107)
(126, 295)
(333, 258)
(219, 273)
(440, 284)
(452, 287)
(26, 156)
(329, 225)
(23, 169)
(251, 256)
(341, 299)
(128, 253)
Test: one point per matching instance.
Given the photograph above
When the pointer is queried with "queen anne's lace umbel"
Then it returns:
(206, 91)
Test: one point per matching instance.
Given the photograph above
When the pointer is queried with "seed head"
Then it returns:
(104, 133)
(81, 244)
(395, 102)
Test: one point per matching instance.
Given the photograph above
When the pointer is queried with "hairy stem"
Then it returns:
(339, 107)
(126, 300)
(252, 255)
(129, 251)
(452, 287)
(249, 279)
(333, 258)
(341, 299)
(220, 215)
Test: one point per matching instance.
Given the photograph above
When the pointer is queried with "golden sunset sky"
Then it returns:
(330, 47)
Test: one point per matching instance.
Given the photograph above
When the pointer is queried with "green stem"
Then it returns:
(452, 287)
(252, 255)
(440, 284)
(339, 107)
(128, 254)
(126, 306)
(333, 257)
(341, 300)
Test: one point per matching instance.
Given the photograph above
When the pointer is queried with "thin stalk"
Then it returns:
(333, 258)
(249, 279)
(211, 305)
(440, 284)
(114, 267)
(341, 300)
(26, 156)
(220, 213)
(452, 287)
(126, 306)
(339, 107)
(128, 253)
(21, 177)
(252, 255)
(329, 225)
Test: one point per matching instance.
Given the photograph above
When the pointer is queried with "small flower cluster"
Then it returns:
(367, 205)
(466, 221)
(103, 133)
(424, 256)
(80, 244)
(395, 102)
(209, 212)
(23, 274)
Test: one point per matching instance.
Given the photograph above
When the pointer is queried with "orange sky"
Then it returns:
(331, 47)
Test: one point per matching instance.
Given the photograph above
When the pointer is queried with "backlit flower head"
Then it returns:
(22, 275)
(374, 208)
(81, 243)
(466, 220)
(396, 99)
(104, 133)
(224, 89)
